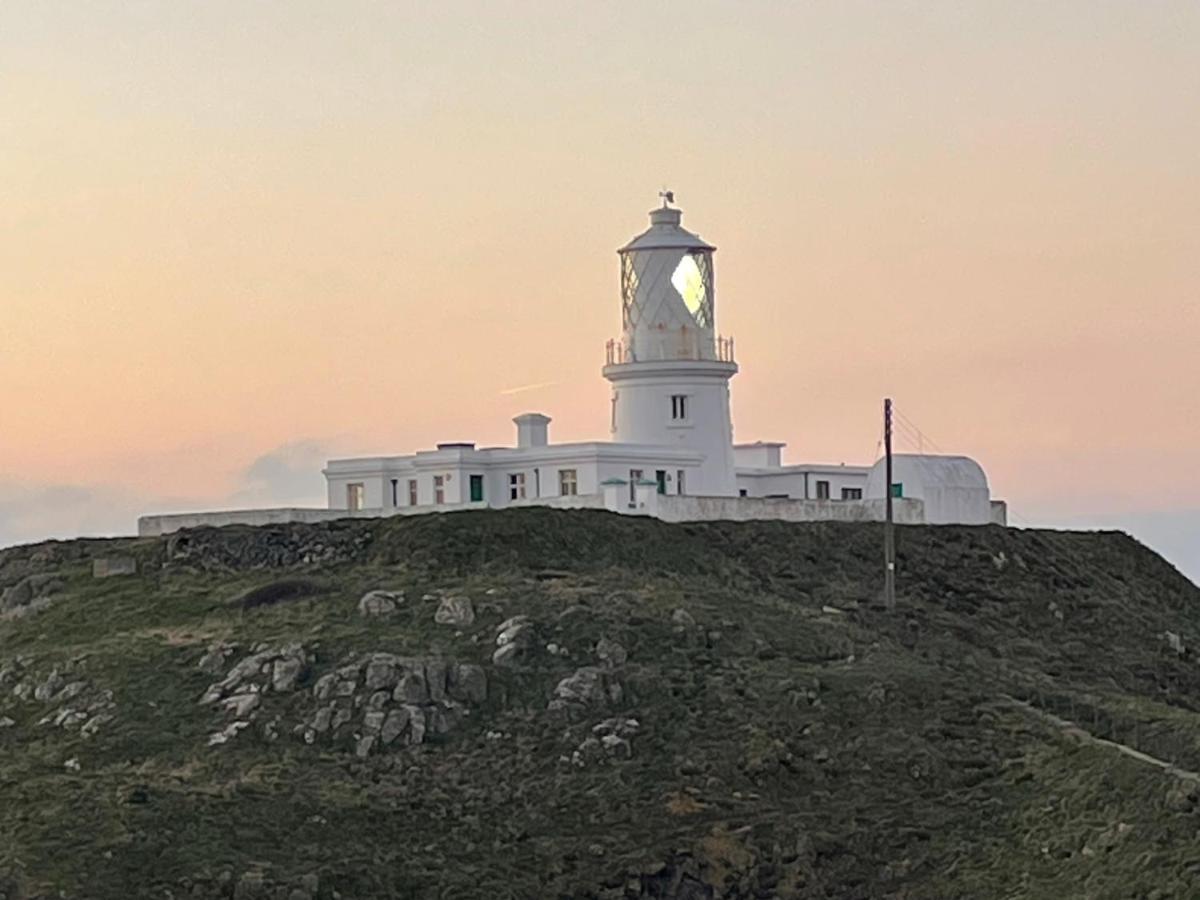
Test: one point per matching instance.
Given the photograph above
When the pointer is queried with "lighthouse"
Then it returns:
(670, 369)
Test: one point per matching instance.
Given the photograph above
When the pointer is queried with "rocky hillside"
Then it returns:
(551, 704)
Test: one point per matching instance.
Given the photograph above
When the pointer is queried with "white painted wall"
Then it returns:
(954, 489)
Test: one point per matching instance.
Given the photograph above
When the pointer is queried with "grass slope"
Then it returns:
(794, 740)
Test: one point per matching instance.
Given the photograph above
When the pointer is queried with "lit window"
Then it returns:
(439, 488)
(851, 493)
(689, 282)
(822, 490)
(568, 482)
(516, 486)
(679, 407)
(412, 492)
(354, 497)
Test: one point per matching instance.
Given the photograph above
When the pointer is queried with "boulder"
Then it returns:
(380, 603)
(394, 725)
(412, 687)
(588, 686)
(381, 673)
(467, 683)
(611, 653)
(455, 611)
(285, 673)
(113, 565)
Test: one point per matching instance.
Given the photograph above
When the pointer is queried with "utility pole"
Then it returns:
(889, 528)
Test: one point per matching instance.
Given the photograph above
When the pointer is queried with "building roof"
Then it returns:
(665, 233)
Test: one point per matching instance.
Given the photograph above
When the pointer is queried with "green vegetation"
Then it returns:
(792, 739)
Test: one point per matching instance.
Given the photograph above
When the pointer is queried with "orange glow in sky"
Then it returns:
(237, 238)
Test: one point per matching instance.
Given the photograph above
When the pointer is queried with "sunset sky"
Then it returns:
(238, 238)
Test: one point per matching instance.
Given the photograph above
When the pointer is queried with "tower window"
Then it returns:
(439, 489)
(354, 497)
(822, 490)
(412, 492)
(395, 492)
(516, 486)
(679, 482)
(679, 407)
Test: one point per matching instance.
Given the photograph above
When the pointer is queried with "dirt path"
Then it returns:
(1075, 731)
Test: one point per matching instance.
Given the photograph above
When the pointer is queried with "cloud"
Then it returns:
(34, 512)
(289, 475)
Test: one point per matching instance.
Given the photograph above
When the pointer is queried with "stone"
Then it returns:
(416, 718)
(394, 725)
(285, 673)
(455, 611)
(70, 692)
(72, 765)
(242, 705)
(6, 722)
(436, 675)
(113, 565)
(93, 724)
(380, 603)
(508, 655)
(322, 719)
(363, 748)
(1175, 642)
(325, 685)
(517, 630)
(345, 689)
(468, 683)
(683, 618)
(373, 721)
(381, 674)
(412, 688)
(378, 700)
(586, 687)
(213, 660)
(611, 653)
(615, 745)
(44, 691)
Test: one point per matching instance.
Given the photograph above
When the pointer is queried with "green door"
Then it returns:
(476, 488)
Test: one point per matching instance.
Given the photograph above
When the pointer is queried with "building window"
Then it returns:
(851, 493)
(476, 488)
(635, 475)
(613, 426)
(679, 482)
(568, 482)
(742, 492)
(439, 488)
(354, 497)
(660, 476)
(412, 492)
(516, 486)
(679, 407)
(897, 488)
(395, 492)
(822, 490)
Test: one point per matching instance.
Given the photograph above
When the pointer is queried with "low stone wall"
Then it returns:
(668, 507)
(673, 508)
(154, 526)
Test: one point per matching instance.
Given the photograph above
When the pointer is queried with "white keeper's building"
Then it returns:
(672, 453)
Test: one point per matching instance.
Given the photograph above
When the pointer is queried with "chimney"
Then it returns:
(532, 430)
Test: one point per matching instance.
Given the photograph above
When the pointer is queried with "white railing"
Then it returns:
(617, 352)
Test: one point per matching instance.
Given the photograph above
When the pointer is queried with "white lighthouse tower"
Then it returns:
(670, 371)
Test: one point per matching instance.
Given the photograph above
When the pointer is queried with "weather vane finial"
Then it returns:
(667, 197)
